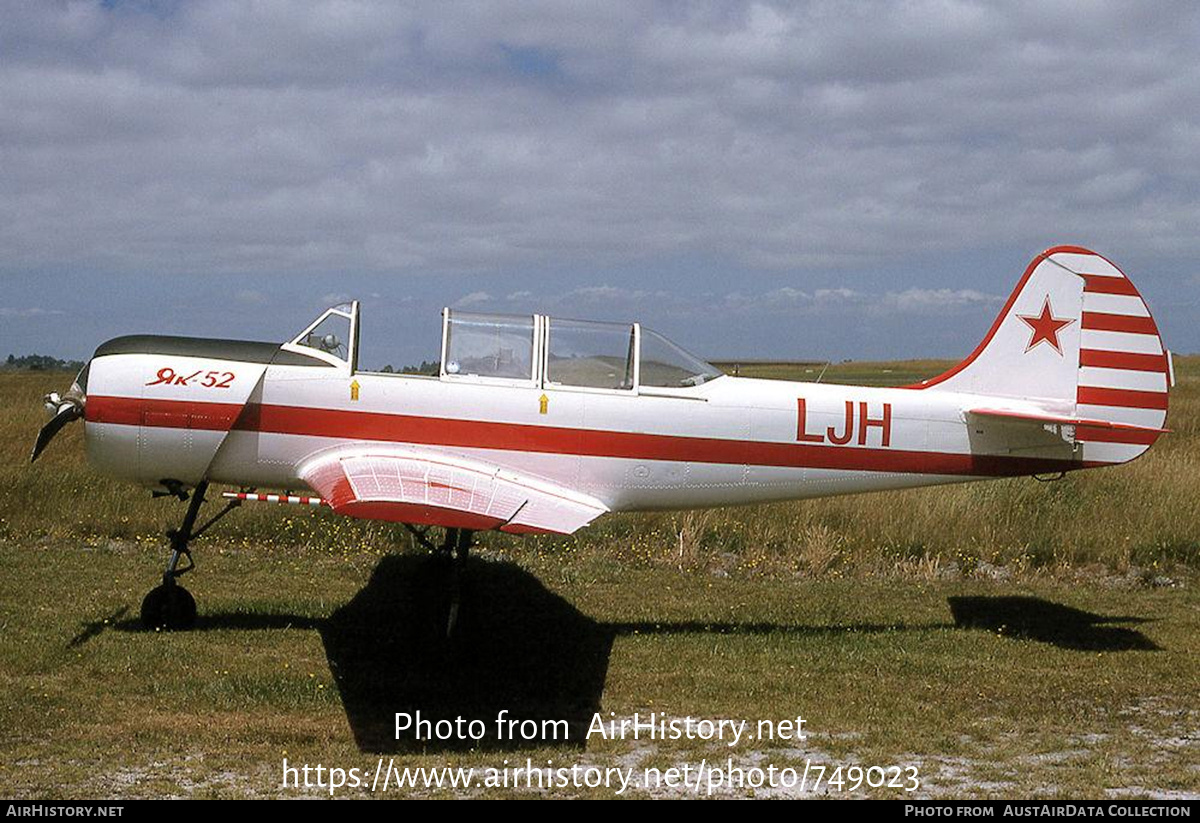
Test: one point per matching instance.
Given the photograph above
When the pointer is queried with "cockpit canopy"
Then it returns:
(527, 349)
(559, 352)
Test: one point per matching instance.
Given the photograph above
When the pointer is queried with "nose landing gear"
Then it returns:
(170, 606)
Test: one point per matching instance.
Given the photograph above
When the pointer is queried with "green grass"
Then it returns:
(878, 669)
(837, 610)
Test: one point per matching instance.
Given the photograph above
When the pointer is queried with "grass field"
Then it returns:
(1009, 638)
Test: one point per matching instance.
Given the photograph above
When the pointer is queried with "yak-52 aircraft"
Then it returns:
(536, 424)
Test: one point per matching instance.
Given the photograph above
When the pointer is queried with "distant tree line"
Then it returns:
(41, 362)
(426, 367)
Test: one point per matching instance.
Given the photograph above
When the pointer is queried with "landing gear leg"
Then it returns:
(170, 606)
(457, 546)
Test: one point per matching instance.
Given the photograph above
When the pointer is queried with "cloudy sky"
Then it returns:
(803, 180)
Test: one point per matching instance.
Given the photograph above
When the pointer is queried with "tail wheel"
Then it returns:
(169, 607)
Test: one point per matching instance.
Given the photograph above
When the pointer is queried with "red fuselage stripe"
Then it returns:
(483, 434)
(172, 414)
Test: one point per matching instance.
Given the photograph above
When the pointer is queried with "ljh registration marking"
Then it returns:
(855, 413)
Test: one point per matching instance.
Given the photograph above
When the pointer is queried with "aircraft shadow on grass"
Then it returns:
(520, 647)
(1047, 622)
(516, 646)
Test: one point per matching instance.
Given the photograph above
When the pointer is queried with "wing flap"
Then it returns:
(445, 490)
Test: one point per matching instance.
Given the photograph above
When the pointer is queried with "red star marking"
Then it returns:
(1045, 327)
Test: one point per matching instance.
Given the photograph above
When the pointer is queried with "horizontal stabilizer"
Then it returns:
(1084, 429)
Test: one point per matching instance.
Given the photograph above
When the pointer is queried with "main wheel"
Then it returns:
(169, 607)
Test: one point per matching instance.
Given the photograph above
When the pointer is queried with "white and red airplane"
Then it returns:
(537, 424)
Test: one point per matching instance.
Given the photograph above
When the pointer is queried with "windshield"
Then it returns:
(666, 365)
(332, 335)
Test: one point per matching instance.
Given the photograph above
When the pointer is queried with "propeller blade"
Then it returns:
(66, 413)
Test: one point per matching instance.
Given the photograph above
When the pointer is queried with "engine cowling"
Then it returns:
(159, 408)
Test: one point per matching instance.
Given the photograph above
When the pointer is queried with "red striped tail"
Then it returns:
(1125, 370)
(1076, 340)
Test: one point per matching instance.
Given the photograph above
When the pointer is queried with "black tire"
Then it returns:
(169, 607)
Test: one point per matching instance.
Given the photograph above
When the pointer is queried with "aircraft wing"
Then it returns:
(380, 483)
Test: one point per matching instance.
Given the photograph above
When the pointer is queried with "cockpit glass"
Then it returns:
(489, 345)
(666, 365)
(330, 335)
(589, 354)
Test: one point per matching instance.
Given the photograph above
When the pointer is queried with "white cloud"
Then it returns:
(642, 304)
(475, 298)
(6, 311)
(745, 149)
(836, 295)
(926, 300)
(252, 297)
(842, 301)
(221, 136)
